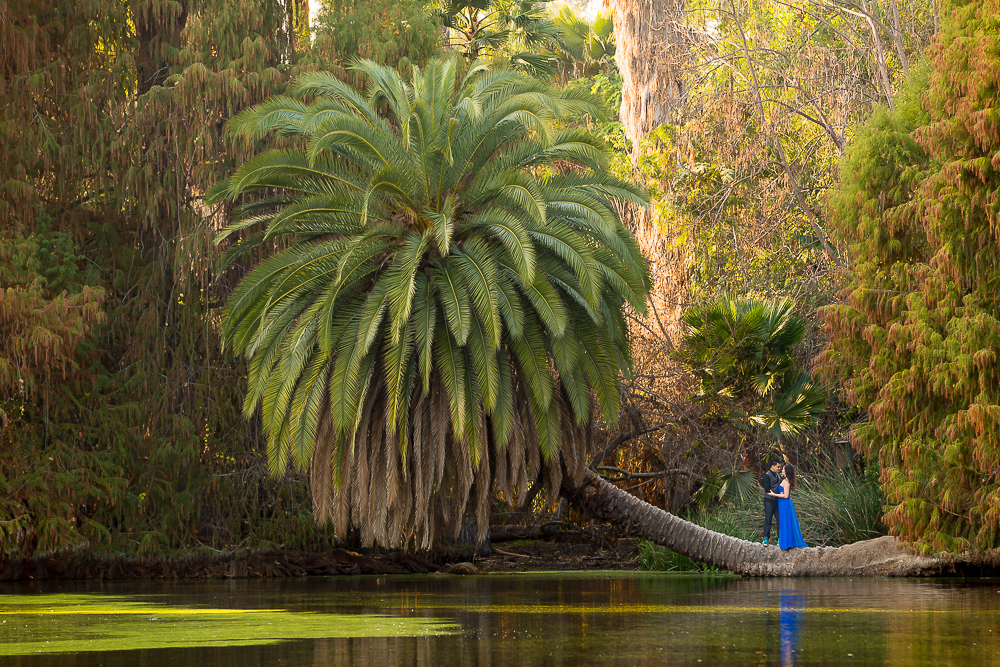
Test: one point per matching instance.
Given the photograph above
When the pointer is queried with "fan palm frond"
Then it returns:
(741, 348)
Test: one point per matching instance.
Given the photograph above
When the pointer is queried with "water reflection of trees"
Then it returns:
(615, 618)
(678, 620)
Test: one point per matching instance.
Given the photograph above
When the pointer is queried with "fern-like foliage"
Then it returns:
(914, 341)
(446, 296)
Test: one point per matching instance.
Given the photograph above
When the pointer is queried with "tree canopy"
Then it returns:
(915, 343)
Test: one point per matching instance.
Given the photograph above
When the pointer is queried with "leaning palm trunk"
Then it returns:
(881, 557)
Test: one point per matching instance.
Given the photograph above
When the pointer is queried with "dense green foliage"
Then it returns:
(401, 33)
(449, 296)
(742, 353)
(121, 427)
(915, 343)
(518, 33)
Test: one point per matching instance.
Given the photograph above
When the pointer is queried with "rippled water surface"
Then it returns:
(591, 618)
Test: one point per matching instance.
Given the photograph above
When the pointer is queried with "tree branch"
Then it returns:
(626, 475)
(618, 441)
(792, 180)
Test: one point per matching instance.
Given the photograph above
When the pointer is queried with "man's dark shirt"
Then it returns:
(771, 481)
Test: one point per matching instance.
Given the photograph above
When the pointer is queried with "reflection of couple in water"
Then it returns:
(792, 605)
(791, 615)
(778, 505)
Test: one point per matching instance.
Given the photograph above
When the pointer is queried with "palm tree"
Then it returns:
(443, 310)
(584, 48)
(517, 32)
(742, 352)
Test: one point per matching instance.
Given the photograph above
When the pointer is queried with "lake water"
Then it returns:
(584, 618)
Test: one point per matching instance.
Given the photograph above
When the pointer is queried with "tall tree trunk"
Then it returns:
(298, 20)
(649, 51)
(883, 68)
(881, 557)
(897, 37)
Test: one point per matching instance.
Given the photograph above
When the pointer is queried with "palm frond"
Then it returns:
(441, 290)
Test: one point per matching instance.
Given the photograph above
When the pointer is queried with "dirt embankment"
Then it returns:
(277, 563)
(517, 549)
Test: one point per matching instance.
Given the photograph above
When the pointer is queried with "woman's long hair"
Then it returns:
(790, 474)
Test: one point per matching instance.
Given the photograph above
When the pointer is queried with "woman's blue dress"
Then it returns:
(789, 535)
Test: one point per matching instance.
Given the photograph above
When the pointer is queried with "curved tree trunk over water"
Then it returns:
(881, 557)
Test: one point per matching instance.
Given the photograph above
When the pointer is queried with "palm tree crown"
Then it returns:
(515, 31)
(446, 297)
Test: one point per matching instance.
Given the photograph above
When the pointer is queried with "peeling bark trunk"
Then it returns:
(881, 557)
(649, 52)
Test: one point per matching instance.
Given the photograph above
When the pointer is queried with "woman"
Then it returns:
(789, 535)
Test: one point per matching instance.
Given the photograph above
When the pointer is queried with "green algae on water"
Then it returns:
(31, 624)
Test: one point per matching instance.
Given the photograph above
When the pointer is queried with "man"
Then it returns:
(771, 481)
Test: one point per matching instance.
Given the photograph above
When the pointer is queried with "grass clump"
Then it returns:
(840, 507)
(653, 557)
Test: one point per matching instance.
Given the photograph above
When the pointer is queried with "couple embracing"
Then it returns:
(778, 483)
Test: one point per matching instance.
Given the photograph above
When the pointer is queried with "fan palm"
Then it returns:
(584, 47)
(742, 351)
(516, 31)
(446, 300)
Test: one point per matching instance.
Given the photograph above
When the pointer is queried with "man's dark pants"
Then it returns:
(770, 510)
